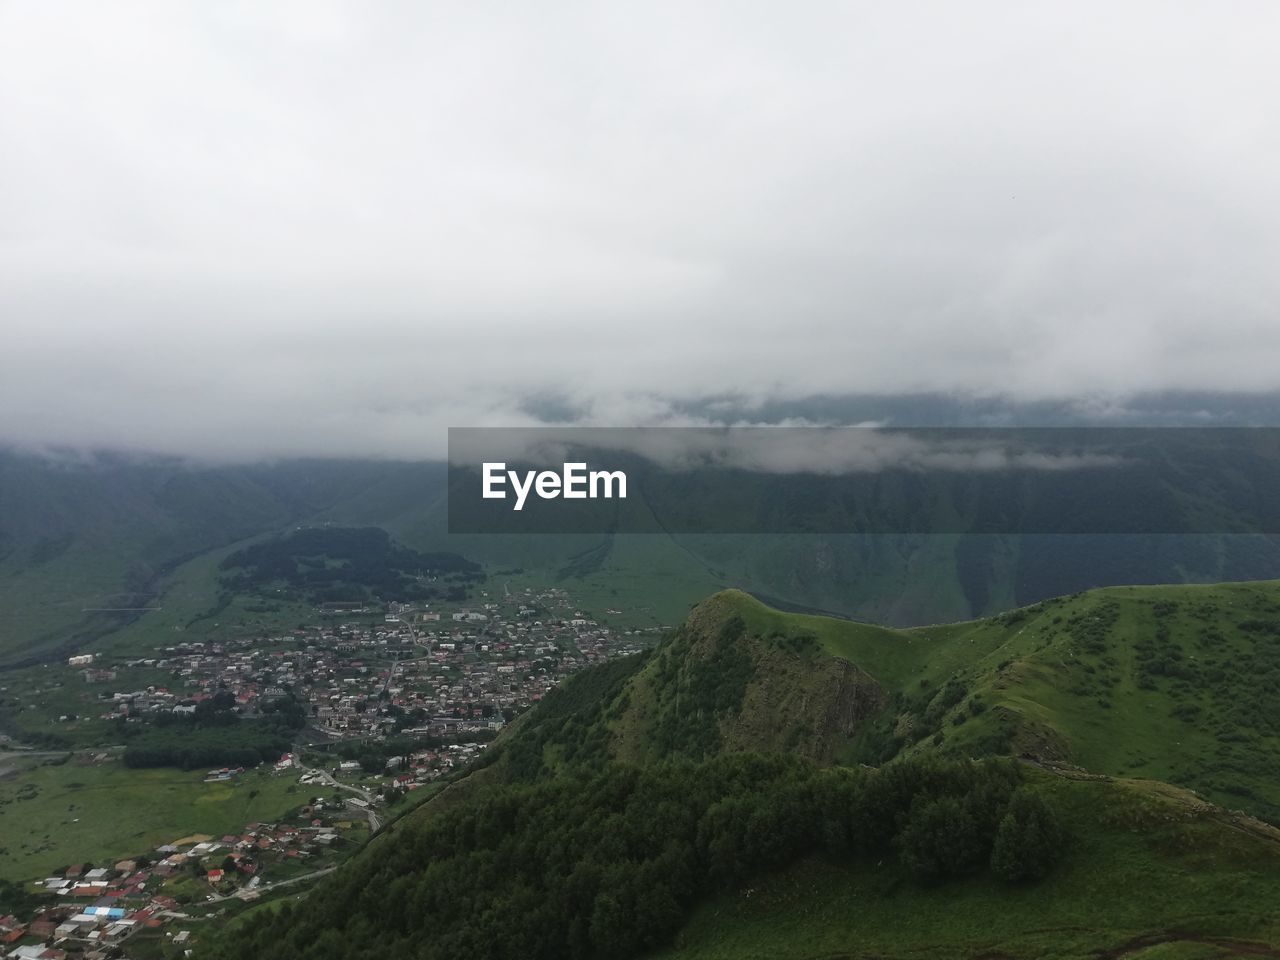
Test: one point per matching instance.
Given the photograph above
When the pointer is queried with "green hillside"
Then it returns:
(769, 784)
(750, 857)
(1149, 874)
(1171, 683)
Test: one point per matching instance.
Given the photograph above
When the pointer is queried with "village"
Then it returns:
(92, 911)
(415, 672)
(393, 701)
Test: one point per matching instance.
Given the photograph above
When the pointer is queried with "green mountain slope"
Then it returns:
(1150, 874)
(1172, 683)
(769, 784)
(750, 857)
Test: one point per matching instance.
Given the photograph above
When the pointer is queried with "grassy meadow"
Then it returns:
(83, 811)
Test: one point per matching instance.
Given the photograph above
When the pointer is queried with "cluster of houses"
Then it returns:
(452, 679)
(446, 680)
(410, 672)
(92, 910)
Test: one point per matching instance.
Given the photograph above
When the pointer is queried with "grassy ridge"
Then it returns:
(1169, 682)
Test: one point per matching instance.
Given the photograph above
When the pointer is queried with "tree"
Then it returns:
(1029, 839)
(941, 839)
(609, 929)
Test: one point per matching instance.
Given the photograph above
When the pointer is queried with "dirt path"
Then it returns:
(1232, 948)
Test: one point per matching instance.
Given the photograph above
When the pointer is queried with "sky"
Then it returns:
(239, 230)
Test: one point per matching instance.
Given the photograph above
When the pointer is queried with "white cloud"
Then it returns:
(245, 229)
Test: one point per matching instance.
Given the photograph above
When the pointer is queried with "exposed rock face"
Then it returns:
(855, 698)
(745, 692)
(810, 705)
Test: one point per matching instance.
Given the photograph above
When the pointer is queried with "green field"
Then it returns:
(80, 811)
(195, 608)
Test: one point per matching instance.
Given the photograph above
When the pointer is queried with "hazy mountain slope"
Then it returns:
(909, 580)
(79, 536)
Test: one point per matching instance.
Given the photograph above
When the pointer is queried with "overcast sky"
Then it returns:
(316, 228)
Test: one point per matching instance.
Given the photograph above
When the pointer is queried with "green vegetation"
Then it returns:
(628, 769)
(1149, 874)
(610, 865)
(117, 553)
(568, 728)
(87, 545)
(195, 607)
(1028, 840)
(16, 899)
(1173, 683)
(372, 755)
(716, 684)
(343, 565)
(101, 811)
(636, 792)
(214, 736)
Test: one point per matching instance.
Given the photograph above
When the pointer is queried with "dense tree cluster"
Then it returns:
(611, 865)
(571, 720)
(214, 736)
(344, 564)
(17, 899)
(696, 689)
(191, 747)
(1028, 840)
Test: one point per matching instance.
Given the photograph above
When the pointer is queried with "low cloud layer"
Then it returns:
(231, 230)
(787, 449)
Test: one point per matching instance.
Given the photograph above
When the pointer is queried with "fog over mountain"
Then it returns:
(235, 231)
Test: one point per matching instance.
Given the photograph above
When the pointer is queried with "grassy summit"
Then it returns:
(1173, 683)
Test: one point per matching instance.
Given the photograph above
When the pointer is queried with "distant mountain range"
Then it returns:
(88, 544)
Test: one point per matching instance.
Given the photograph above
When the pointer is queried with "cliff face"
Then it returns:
(720, 684)
(812, 706)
